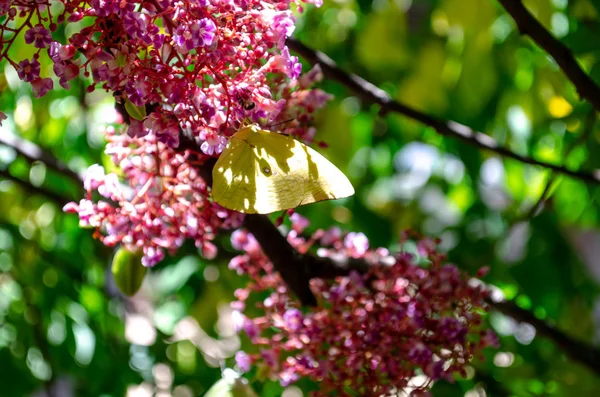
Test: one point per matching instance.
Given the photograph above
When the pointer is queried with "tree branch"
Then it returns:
(576, 350)
(33, 153)
(57, 198)
(370, 93)
(528, 25)
(287, 261)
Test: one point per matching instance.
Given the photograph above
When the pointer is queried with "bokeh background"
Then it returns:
(66, 331)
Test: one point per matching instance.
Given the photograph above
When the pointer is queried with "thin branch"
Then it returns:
(576, 350)
(528, 25)
(587, 130)
(33, 153)
(57, 198)
(370, 93)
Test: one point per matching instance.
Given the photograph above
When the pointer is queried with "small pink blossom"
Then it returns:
(356, 243)
(59, 52)
(213, 144)
(29, 70)
(299, 223)
(243, 361)
(94, 177)
(66, 71)
(39, 36)
(41, 86)
(196, 34)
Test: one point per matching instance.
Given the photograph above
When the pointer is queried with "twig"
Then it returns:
(370, 93)
(587, 130)
(528, 25)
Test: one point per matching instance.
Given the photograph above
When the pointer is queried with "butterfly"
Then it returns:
(260, 172)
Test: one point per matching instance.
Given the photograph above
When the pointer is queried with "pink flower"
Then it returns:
(293, 319)
(287, 64)
(331, 236)
(299, 223)
(164, 126)
(356, 243)
(152, 256)
(94, 177)
(281, 25)
(41, 86)
(59, 52)
(209, 250)
(66, 71)
(213, 144)
(243, 361)
(197, 34)
(39, 36)
(29, 70)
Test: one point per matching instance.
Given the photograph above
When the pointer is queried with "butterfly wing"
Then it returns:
(234, 177)
(300, 175)
(274, 172)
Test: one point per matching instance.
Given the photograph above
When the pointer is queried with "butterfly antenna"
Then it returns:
(281, 122)
(246, 122)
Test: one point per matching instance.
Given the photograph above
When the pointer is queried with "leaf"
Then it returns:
(172, 278)
(134, 111)
(580, 41)
(128, 271)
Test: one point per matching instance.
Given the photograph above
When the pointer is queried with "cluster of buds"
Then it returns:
(371, 333)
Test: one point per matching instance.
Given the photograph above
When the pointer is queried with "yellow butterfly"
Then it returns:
(260, 172)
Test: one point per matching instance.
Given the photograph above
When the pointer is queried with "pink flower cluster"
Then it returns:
(165, 201)
(198, 69)
(198, 64)
(370, 334)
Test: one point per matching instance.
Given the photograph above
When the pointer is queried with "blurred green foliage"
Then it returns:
(65, 329)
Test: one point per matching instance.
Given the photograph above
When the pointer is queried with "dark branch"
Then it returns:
(528, 25)
(576, 350)
(57, 198)
(296, 269)
(287, 261)
(370, 93)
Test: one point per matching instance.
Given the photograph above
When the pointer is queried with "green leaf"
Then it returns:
(580, 42)
(173, 277)
(168, 315)
(128, 271)
(134, 111)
